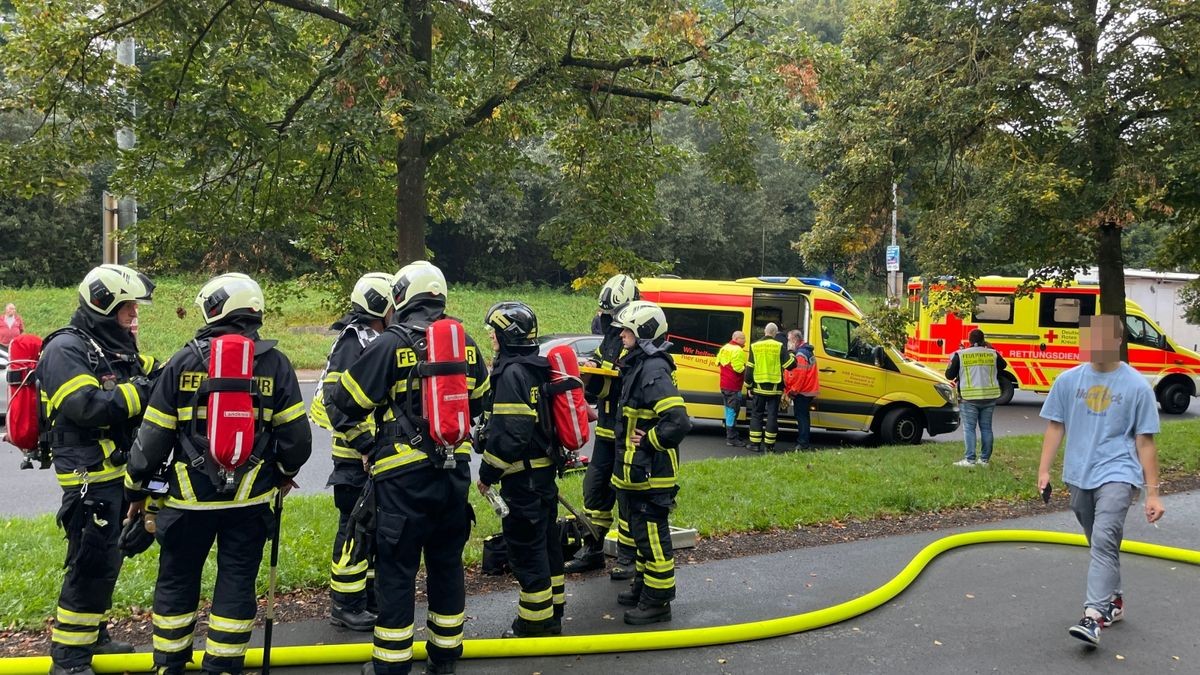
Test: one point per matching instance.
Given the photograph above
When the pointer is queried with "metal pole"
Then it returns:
(127, 208)
(270, 624)
(894, 277)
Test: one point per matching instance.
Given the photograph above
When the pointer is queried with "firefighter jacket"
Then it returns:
(802, 380)
(348, 446)
(516, 437)
(650, 401)
(731, 360)
(764, 368)
(90, 407)
(977, 370)
(607, 390)
(175, 409)
(378, 384)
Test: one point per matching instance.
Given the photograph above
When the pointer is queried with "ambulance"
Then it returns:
(863, 387)
(1038, 335)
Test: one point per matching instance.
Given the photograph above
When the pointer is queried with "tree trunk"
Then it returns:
(411, 163)
(1110, 264)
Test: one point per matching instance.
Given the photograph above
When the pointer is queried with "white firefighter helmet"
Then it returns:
(225, 294)
(107, 286)
(617, 292)
(645, 319)
(416, 279)
(373, 293)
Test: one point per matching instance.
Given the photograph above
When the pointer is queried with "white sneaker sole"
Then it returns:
(1079, 633)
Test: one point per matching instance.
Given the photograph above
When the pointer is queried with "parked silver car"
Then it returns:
(582, 344)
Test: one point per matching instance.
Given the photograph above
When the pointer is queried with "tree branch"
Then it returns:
(290, 115)
(591, 86)
(126, 22)
(1140, 115)
(319, 10)
(1146, 30)
(571, 60)
(469, 8)
(187, 62)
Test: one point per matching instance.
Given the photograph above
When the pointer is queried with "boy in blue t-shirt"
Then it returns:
(1107, 411)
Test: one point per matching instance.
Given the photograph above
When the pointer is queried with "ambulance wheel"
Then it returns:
(900, 426)
(1007, 388)
(1174, 398)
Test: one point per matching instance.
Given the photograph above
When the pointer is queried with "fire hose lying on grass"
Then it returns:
(633, 642)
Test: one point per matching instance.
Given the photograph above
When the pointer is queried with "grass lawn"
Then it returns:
(297, 316)
(718, 496)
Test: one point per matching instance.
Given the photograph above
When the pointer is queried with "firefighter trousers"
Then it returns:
(92, 521)
(599, 496)
(351, 571)
(184, 539)
(534, 544)
(764, 420)
(420, 511)
(655, 562)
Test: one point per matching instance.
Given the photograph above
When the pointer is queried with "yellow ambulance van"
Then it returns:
(863, 387)
(1038, 335)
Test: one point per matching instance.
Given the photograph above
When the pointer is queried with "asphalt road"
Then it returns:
(34, 492)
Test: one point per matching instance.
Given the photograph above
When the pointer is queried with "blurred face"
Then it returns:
(628, 339)
(1101, 342)
(495, 343)
(126, 313)
(739, 340)
(10, 310)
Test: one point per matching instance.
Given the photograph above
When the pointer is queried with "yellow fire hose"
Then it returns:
(631, 642)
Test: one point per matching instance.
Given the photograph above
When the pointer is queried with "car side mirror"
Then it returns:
(879, 356)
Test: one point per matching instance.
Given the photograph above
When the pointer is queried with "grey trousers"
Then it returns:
(1101, 511)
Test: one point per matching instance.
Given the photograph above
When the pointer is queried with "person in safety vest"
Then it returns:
(769, 357)
(198, 509)
(598, 495)
(94, 385)
(420, 489)
(731, 361)
(976, 369)
(801, 387)
(517, 455)
(351, 590)
(653, 422)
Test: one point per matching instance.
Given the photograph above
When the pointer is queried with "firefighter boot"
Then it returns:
(631, 597)
(624, 569)
(361, 620)
(589, 557)
(524, 628)
(434, 668)
(106, 645)
(85, 669)
(645, 614)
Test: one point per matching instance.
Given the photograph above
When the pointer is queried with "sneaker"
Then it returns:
(983, 462)
(969, 463)
(735, 442)
(26, 464)
(1088, 630)
(1114, 613)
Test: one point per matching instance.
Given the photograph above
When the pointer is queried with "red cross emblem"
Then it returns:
(951, 331)
(1051, 336)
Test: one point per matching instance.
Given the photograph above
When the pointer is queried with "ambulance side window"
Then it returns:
(700, 332)
(1062, 310)
(1139, 332)
(837, 338)
(993, 308)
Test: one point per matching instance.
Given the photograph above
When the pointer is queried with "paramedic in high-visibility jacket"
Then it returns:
(517, 456)
(93, 390)
(350, 590)
(731, 362)
(977, 369)
(420, 490)
(197, 509)
(653, 422)
(599, 498)
(769, 357)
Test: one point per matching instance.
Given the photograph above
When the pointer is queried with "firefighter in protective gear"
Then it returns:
(420, 496)
(769, 357)
(196, 513)
(653, 422)
(599, 498)
(517, 454)
(350, 588)
(94, 385)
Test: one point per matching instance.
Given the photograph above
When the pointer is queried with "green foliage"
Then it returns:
(717, 497)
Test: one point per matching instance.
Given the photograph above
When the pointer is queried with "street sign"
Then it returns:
(893, 258)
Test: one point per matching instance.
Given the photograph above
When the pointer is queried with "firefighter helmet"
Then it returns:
(372, 294)
(515, 324)
(617, 292)
(645, 319)
(107, 286)
(419, 278)
(228, 293)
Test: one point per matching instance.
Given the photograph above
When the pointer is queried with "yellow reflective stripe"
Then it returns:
(348, 586)
(343, 452)
(394, 634)
(535, 596)
(163, 644)
(171, 622)
(71, 386)
(558, 580)
(215, 648)
(160, 418)
(186, 492)
(401, 387)
(243, 491)
(360, 429)
(230, 625)
(401, 458)
(655, 544)
(133, 402)
(602, 432)
(639, 413)
(525, 613)
(653, 436)
(293, 412)
(674, 461)
(107, 473)
(346, 570)
(78, 618)
(660, 584)
(668, 402)
(482, 389)
(495, 461)
(446, 620)
(356, 392)
(456, 640)
(147, 363)
(331, 377)
(74, 638)
(194, 505)
(317, 412)
(513, 409)
(392, 655)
